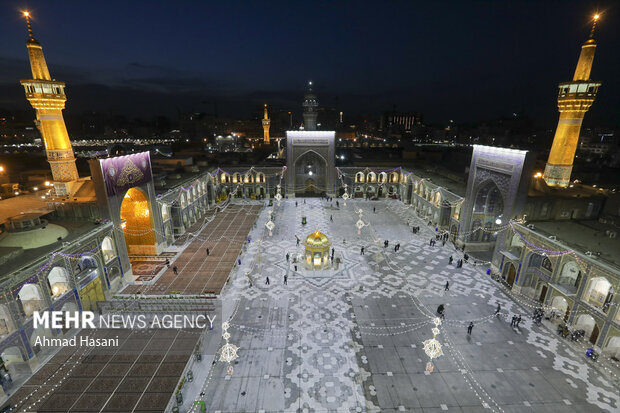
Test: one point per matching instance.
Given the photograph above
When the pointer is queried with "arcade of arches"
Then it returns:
(136, 218)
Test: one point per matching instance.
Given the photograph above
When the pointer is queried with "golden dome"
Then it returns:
(317, 239)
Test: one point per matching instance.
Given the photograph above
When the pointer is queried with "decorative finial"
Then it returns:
(595, 18)
(27, 16)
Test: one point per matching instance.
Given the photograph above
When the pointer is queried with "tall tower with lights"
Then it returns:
(574, 100)
(47, 97)
(266, 125)
(310, 105)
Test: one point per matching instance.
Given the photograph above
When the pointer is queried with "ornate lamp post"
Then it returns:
(228, 352)
(432, 347)
(345, 196)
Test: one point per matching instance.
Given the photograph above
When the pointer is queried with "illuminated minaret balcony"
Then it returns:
(47, 97)
(310, 106)
(574, 100)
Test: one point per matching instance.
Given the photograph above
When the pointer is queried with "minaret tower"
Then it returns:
(266, 125)
(48, 98)
(310, 109)
(574, 100)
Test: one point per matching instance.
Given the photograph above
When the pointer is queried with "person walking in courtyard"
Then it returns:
(498, 309)
(518, 321)
(208, 252)
(450, 260)
(395, 247)
(295, 267)
(470, 327)
(466, 257)
(288, 256)
(443, 243)
(295, 203)
(331, 218)
(514, 320)
(362, 251)
(447, 288)
(430, 243)
(175, 270)
(285, 279)
(267, 280)
(374, 210)
(333, 254)
(297, 238)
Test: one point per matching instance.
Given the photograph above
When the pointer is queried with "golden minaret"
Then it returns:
(574, 100)
(266, 125)
(47, 97)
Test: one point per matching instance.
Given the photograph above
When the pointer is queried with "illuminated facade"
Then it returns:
(266, 125)
(48, 98)
(574, 100)
(317, 251)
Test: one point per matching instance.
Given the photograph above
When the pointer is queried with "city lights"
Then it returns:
(223, 193)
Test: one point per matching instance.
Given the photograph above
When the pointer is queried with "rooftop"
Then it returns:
(584, 236)
(31, 203)
(13, 261)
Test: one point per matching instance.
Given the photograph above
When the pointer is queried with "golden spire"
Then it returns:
(595, 18)
(266, 116)
(27, 16)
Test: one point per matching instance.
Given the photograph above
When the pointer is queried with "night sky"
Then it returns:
(450, 60)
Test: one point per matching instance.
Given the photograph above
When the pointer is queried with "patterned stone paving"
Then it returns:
(352, 340)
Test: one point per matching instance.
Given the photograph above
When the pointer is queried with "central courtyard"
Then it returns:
(351, 338)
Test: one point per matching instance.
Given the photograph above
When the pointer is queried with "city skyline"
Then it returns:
(465, 78)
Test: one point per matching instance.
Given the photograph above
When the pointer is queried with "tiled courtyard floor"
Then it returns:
(352, 340)
(140, 375)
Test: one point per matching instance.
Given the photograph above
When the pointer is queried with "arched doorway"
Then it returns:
(107, 249)
(136, 218)
(511, 274)
(543, 294)
(489, 206)
(587, 323)
(560, 305)
(310, 186)
(594, 335)
(599, 293)
(613, 347)
(58, 279)
(31, 299)
(310, 168)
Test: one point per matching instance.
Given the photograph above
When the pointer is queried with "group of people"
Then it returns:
(538, 315)
(516, 320)
(459, 262)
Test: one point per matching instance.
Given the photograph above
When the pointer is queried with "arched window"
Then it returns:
(107, 248)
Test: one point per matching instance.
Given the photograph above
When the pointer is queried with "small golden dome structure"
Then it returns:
(317, 251)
